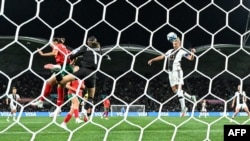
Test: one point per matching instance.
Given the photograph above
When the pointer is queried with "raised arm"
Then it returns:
(158, 58)
(191, 55)
(52, 53)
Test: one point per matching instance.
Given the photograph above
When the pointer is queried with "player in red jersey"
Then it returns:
(106, 106)
(59, 51)
(75, 94)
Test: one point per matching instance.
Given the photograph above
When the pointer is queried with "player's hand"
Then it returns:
(150, 62)
(193, 50)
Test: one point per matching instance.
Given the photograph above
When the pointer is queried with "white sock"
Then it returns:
(182, 102)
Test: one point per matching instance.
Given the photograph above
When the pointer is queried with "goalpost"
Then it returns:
(122, 109)
(152, 18)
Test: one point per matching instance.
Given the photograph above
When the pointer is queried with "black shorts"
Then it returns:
(84, 74)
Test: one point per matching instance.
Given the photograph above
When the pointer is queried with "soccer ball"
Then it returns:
(171, 36)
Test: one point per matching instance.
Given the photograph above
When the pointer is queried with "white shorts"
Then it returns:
(13, 107)
(241, 106)
(176, 78)
(203, 109)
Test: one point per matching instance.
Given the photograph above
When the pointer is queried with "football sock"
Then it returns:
(67, 118)
(47, 91)
(181, 99)
(182, 102)
(76, 113)
(60, 93)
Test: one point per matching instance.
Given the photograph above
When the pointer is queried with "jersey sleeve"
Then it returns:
(77, 52)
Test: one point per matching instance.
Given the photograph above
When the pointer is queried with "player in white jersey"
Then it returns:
(175, 71)
(203, 109)
(240, 99)
(12, 100)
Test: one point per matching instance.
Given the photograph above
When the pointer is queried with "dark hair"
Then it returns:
(59, 40)
(13, 87)
(92, 38)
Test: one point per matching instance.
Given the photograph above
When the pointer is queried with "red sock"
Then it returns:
(47, 91)
(67, 118)
(60, 95)
(76, 113)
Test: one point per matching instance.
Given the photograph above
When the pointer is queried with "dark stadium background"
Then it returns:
(88, 19)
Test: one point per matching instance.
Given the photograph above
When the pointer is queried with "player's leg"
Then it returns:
(60, 100)
(103, 113)
(182, 101)
(191, 97)
(48, 88)
(76, 104)
(176, 79)
(90, 84)
(14, 113)
(53, 67)
(205, 113)
(60, 88)
(84, 113)
(89, 104)
(10, 114)
(247, 110)
(67, 118)
(237, 109)
(83, 110)
(106, 113)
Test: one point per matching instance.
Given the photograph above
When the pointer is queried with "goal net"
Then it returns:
(131, 32)
(122, 109)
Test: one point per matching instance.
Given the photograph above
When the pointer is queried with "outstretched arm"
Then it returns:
(158, 58)
(52, 53)
(191, 55)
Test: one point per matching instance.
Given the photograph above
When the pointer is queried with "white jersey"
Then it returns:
(203, 107)
(13, 99)
(240, 97)
(174, 58)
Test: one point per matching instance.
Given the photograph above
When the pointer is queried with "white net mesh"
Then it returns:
(131, 32)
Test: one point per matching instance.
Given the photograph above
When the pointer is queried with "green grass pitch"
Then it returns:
(117, 129)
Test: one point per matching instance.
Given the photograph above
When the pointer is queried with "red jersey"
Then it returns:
(106, 103)
(62, 52)
(75, 85)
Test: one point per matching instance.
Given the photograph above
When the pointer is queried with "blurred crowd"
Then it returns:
(154, 93)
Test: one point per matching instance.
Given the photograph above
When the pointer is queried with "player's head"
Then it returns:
(239, 87)
(177, 43)
(14, 89)
(92, 42)
(58, 40)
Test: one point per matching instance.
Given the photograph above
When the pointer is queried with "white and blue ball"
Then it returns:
(172, 36)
